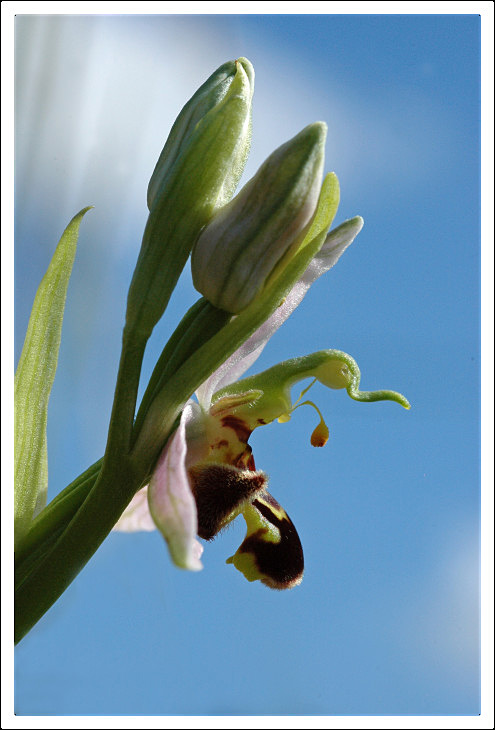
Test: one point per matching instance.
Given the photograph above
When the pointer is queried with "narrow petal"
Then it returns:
(137, 516)
(171, 502)
(236, 365)
(271, 551)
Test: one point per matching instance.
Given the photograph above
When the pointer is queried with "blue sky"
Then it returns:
(386, 620)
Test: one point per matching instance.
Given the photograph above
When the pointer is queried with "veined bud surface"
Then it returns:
(206, 98)
(257, 231)
(197, 173)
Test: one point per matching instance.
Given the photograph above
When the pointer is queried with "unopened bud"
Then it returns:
(206, 98)
(260, 228)
(197, 173)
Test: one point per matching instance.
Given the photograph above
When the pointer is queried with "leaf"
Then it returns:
(34, 380)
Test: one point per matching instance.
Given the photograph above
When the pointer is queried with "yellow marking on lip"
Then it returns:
(271, 551)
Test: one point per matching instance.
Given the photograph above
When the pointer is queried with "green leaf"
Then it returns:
(34, 380)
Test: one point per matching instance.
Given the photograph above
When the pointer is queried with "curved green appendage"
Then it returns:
(34, 379)
(332, 368)
(372, 396)
(342, 371)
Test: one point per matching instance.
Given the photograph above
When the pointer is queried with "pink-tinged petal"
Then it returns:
(335, 244)
(171, 502)
(236, 365)
(137, 515)
(231, 370)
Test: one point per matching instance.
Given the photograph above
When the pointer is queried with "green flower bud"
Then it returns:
(208, 96)
(197, 173)
(258, 231)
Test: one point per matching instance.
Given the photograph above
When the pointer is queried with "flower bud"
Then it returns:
(207, 97)
(248, 239)
(197, 172)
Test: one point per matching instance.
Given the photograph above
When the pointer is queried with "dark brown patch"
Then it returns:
(282, 563)
(218, 490)
(245, 460)
(250, 463)
(242, 430)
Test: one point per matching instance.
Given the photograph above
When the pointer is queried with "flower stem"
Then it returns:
(93, 521)
(201, 322)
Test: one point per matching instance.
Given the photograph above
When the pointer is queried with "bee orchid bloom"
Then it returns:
(204, 478)
(206, 475)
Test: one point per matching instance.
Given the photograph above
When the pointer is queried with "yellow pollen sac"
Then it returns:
(320, 435)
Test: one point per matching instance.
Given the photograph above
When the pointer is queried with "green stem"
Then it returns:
(99, 512)
(200, 323)
(51, 522)
(124, 403)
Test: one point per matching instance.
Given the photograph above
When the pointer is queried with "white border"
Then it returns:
(485, 9)
(283, 7)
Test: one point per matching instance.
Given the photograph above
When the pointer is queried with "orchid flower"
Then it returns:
(253, 258)
(206, 475)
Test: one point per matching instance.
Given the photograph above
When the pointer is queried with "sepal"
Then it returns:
(171, 502)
